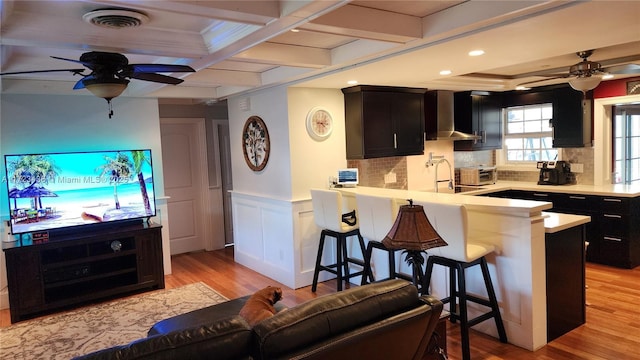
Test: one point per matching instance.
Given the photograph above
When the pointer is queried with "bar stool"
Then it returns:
(450, 221)
(328, 215)
(376, 216)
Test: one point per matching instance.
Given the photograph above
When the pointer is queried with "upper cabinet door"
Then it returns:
(383, 121)
(478, 113)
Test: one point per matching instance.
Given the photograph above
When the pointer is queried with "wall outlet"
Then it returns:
(390, 178)
(577, 168)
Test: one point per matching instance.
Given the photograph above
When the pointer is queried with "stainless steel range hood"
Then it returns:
(439, 117)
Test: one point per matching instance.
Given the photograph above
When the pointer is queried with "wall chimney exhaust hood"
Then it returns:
(439, 123)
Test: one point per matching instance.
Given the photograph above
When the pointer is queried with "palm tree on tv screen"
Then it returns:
(117, 170)
(139, 159)
(31, 171)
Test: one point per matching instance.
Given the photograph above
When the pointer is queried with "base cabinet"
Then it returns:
(614, 231)
(565, 279)
(73, 269)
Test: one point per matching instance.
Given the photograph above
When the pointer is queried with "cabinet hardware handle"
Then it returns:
(612, 216)
(612, 238)
(577, 197)
(540, 195)
(612, 200)
(475, 140)
(395, 141)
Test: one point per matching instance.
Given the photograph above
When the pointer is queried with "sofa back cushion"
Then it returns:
(348, 324)
(228, 338)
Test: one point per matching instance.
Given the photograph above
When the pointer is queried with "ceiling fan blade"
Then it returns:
(153, 68)
(89, 65)
(74, 71)
(623, 69)
(157, 78)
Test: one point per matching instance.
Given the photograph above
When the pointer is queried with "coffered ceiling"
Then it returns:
(239, 46)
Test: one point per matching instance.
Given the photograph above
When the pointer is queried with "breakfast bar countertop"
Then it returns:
(556, 222)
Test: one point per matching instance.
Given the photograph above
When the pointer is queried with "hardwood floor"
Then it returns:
(612, 330)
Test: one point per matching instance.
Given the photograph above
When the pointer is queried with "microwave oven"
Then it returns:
(478, 175)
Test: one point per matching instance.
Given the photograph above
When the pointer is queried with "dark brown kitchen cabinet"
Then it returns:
(478, 113)
(613, 233)
(382, 121)
(571, 118)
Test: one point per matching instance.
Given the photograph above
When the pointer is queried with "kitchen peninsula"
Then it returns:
(517, 229)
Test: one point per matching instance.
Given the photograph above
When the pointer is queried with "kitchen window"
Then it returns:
(528, 134)
(626, 144)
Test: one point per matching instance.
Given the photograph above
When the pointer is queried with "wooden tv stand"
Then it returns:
(72, 269)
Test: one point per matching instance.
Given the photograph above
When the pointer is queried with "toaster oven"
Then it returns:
(479, 175)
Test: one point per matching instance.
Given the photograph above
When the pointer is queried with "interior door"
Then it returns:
(227, 179)
(184, 168)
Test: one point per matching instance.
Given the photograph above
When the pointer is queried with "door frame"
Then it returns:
(201, 148)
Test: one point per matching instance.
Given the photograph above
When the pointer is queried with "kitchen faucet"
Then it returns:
(439, 160)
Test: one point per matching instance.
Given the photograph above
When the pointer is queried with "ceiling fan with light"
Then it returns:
(586, 74)
(110, 73)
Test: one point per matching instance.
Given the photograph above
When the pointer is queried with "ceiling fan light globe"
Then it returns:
(106, 88)
(585, 83)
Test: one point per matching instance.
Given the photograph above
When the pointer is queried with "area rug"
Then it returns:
(83, 330)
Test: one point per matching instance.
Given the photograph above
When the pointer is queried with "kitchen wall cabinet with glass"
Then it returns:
(382, 121)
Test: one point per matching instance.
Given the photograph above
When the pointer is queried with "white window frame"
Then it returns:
(501, 155)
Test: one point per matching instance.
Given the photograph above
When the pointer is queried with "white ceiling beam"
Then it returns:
(289, 55)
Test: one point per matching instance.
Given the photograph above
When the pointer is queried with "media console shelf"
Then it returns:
(72, 269)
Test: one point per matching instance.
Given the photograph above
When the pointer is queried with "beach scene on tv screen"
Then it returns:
(52, 191)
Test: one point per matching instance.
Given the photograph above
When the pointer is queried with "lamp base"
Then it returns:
(415, 258)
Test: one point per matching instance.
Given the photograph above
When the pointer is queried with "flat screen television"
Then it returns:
(348, 177)
(55, 191)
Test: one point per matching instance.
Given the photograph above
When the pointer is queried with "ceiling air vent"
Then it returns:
(115, 18)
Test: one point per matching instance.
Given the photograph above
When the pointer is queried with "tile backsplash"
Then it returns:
(372, 172)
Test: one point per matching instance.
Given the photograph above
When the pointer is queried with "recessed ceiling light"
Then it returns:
(522, 88)
(476, 52)
(352, 82)
(445, 72)
(607, 76)
(295, 30)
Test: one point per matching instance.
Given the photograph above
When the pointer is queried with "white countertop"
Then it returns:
(555, 222)
(514, 206)
(620, 190)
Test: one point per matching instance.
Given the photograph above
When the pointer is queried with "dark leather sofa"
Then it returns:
(385, 320)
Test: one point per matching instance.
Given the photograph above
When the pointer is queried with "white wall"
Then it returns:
(314, 161)
(274, 181)
(48, 123)
(274, 231)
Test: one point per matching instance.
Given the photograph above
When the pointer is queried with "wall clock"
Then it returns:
(255, 143)
(319, 123)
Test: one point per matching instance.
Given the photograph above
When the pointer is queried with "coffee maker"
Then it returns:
(553, 172)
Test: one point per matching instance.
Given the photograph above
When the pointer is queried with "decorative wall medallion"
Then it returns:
(319, 123)
(255, 143)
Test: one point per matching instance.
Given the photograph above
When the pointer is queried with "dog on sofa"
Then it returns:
(259, 306)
